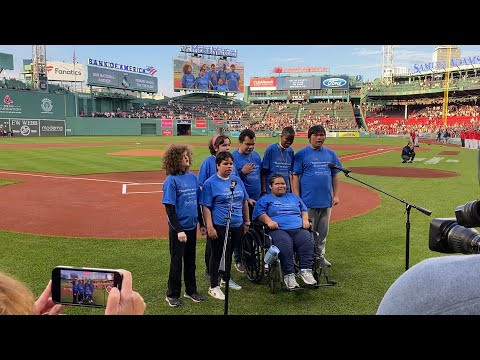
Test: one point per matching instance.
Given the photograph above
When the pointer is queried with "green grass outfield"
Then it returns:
(367, 251)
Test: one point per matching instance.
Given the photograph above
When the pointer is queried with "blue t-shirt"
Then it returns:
(277, 160)
(187, 81)
(222, 75)
(233, 78)
(212, 76)
(209, 168)
(182, 191)
(315, 176)
(216, 195)
(251, 181)
(201, 83)
(285, 210)
(222, 87)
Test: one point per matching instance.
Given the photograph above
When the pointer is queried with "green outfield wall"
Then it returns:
(27, 104)
(76, 126)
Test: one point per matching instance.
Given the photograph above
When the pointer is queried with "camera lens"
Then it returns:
(468, 215)
(447, 236)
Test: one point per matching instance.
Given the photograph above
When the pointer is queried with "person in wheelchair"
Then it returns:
(285, 214)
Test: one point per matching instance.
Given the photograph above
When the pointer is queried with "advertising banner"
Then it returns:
(35, 127)
(263, 84)
(52, 128)
(21, 127)
(184, 122)
(349, 134)
(68, 72)
(298, 82)
(31, 105)
(167, 123)
(167, 132)
(301, 134)
(104, 77)
(200, 123)
(218, 122)
(335, 82)
(222, 68)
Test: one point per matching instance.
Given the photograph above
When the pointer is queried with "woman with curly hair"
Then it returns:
(188, 78)
(180, 195)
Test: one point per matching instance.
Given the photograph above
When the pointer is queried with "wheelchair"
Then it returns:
(254, 245)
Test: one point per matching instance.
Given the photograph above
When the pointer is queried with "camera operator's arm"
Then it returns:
(45, 305)
(125, 301)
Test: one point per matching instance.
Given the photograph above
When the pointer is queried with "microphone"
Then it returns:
(232, 185)
(333, 166)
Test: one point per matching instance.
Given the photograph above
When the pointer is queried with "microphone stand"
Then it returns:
(408, 207)
(226, 263)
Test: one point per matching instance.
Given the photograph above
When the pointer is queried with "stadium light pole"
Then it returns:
(75, 81)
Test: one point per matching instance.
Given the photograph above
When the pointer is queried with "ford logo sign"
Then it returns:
(334, 82)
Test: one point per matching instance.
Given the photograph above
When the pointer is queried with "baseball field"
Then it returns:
(97, 202)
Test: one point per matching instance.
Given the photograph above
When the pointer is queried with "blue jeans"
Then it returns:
(290, 241)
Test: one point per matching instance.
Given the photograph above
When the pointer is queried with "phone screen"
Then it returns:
(83, 286)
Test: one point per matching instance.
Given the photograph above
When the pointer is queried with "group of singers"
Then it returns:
(289, 192)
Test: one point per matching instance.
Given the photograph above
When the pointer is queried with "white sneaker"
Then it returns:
(231, 284)
(290, 281)
(307, 277)
(216, 292)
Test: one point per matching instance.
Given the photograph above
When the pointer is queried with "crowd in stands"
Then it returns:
(385, 120)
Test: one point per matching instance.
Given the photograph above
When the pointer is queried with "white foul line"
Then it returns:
(63, 177)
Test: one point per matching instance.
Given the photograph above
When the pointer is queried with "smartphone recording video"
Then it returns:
(83, 286)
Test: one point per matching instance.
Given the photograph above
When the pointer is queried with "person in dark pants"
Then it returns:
(248, 163)
(408, 153)
(215, 199)
(286, 216)
(180, 195)
(219, 143)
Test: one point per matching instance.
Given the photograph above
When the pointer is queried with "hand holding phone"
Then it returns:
(45, 305)
(125, 301)
(84, 286)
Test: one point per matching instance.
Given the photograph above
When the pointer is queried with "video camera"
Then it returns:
(455, 235)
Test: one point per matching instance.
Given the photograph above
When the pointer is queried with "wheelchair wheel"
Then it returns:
(252, 256)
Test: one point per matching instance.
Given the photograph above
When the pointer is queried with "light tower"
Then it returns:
(387, 64)
(39, 67)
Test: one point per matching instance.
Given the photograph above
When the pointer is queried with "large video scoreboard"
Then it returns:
(191, 65)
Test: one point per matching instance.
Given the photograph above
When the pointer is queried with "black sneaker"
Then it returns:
(173, 301)
(404, 161)
(196, 297)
